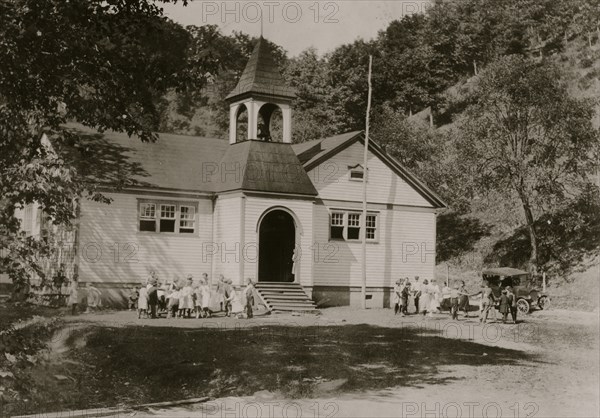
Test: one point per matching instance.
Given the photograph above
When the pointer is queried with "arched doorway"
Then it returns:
(277, 239)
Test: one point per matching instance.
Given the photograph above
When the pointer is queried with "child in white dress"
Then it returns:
(74, 296)
(186, 301)
(173, 305)
(143, 302)
(205, 298)
(236, 303)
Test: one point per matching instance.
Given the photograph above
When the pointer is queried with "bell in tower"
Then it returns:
(260, 94)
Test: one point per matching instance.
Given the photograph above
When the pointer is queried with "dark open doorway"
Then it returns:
(277, 238)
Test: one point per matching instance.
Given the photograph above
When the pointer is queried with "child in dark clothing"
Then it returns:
(405, 293)
(133, 299)
(249, 293)
(504, 306)
(229, 293)
(512, 301)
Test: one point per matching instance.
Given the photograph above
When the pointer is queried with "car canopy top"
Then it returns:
(503, 272)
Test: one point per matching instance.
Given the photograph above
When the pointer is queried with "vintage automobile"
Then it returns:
(527, 296)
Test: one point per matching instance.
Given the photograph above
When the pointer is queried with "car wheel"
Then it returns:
(543, 302)
(523, 306)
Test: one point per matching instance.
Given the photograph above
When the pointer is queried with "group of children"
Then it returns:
(187, 299)
(507, 303)
(428, 298)
(92, 297)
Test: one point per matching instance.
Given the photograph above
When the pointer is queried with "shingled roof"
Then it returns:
(260, 166)
(173, 162)
(261, 76)
(210, 165)
(188, 163)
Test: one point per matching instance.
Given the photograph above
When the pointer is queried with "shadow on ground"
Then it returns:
(134, 365)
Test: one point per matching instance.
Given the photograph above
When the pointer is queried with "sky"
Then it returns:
(298, 25)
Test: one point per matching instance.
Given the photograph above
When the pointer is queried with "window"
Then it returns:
(337, 225)
(371, 227)
(28, 219)
(148, 217)
(347, 226)
(167, 217)
(354, 225)
(187, 219)
(357, 174)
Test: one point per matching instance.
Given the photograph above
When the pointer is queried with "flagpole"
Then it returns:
(364, 208)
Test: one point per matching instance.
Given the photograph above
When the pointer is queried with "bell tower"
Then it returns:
(261, 92)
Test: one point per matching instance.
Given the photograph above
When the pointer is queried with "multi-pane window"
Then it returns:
(371, 227)
(337, 225)
(187, 219)
(148, 217)
(354, 225)
(347, 226)
(167, 217)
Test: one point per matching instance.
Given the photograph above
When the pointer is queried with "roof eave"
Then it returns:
(234, 97)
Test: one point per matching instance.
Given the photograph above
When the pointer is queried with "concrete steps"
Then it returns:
(284, 296)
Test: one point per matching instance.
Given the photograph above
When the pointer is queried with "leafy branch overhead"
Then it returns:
(100, 63)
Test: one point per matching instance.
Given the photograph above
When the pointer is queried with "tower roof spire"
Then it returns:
(261, 76)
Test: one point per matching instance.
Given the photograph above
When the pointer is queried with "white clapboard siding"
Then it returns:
(226, 246)
(112, 249)
(302, 211)
(331, 179)
(406, 247)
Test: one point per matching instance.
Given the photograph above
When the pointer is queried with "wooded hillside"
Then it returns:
(493, 103)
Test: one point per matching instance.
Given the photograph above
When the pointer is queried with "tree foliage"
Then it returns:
(100, 63)
(121, 65)
(569, 236)
(525, 134)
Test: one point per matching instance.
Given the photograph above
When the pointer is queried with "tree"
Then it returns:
(587, 19)
(348, 66)
(525, 135)
(412, 144)
(315, 114)
(101, 63)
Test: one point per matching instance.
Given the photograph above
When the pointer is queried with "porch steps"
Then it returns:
(284, 296)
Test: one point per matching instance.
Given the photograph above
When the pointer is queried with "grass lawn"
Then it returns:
(11, 313)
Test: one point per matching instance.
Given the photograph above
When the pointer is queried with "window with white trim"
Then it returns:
(354, 226)
(187, 219)
(337, 225)
(371, 227)
(357, 174)
(347, 225)
(170, 217)
(167, 218)
(148, 217)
